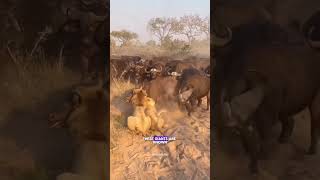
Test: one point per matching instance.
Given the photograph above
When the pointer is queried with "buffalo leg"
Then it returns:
(181, 105)
(199, 102)
(245, 144)
(264, 124)
(251, 145)
(84, 67)
(286, 129)
(315, 125)
(190, 106)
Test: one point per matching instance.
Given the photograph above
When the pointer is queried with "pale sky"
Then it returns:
(134, 15)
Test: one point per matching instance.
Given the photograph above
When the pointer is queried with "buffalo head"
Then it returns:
(81, 21)
(153, 72)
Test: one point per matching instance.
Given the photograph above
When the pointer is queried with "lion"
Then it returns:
(139, 121)
(157, 121)
(85, 119)
(144, 107)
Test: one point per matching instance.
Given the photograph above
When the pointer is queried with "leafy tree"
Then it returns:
(164, 28)
(176, 46)
(124, 36)
(191, 26)
(167, 43)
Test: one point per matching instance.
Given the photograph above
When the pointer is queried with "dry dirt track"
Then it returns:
(285, 162)
(186, 158)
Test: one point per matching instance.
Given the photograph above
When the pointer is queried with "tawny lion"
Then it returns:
(156, 121)
(139, 121)
(144, 110)
(85, 119)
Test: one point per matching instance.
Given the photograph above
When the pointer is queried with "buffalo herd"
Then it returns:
(185, 81)
(261, 78)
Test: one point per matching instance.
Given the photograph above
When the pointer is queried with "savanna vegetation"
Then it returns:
(172, 36)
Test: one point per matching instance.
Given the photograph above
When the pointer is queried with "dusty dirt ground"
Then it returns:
(285, 161)
(186, 158)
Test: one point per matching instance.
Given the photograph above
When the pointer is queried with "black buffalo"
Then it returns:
(259, 82)
(154, 70)
(162, 89)
(83, 38)
(175, 67)
(119, 67)
(193, 86)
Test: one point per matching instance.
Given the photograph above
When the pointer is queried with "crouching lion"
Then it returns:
(157, 121)
(139, 121)
(85, 118)
(145, 115)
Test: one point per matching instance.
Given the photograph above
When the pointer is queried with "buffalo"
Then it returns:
(128, 68)
(193, 86)
(153, 71)
(84, 32)
(162, 89)
(175, 67)
(180, 66)
(278, 79)
(136, 74)
(199, 63)
(170, 65)
(119, 68)
(135, 59)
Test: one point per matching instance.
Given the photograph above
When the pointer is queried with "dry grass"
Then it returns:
(27, 81)
(146, 51)
(119, 87)
(198, 48)
(119, 90)
(201, 49)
